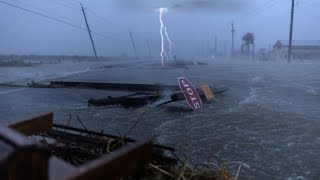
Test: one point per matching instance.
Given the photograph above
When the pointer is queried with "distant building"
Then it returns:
(300, 49)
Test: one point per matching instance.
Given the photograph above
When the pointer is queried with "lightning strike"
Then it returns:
(171, 45)
(164, 34)
(163, 51)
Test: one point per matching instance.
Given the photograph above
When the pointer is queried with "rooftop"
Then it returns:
(300, 43)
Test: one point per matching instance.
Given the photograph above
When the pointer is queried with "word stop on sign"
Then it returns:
(190, 93)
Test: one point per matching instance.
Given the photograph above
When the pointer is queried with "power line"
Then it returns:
(58, 3)
(21, 2)
(58, 20)
(71, 2)
(107, 21)
(43, 15)
(102, 19)
(74, 2)
(35, 8)
(70, 6)
(100, 34)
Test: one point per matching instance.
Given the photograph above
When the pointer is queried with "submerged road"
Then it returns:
(268, 122)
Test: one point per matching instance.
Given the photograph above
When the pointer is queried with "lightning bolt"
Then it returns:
(163, 51)
(169, 41)
(163, 30)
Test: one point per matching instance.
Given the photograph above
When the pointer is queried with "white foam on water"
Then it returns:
(75, 72)
(253, 91)
(256, 79)
(296, 178)
(246, 165)
(253, 97)
(10, 91)
(311, 90)
(43, 72)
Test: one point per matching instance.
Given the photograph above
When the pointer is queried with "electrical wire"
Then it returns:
(59, 20)
(107, 21)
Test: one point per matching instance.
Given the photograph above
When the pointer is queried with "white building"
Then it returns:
(300, 49)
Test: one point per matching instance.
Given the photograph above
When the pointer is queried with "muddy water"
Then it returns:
(268, 122)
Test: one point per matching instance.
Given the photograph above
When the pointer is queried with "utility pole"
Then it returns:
(253, 55)
(225, 49)
(85, 18)
(149, 50)
(232, 31)
(215, 45)
(291, 29)
(134, 46)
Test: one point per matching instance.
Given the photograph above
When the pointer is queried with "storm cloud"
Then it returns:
(185, 5)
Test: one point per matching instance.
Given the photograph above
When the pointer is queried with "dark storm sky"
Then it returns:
(192, 25)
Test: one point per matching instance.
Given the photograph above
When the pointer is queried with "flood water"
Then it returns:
(268, 121)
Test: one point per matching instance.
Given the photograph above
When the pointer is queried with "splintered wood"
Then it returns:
(207, 92)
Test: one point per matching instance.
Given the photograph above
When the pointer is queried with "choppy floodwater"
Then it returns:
(268, 121)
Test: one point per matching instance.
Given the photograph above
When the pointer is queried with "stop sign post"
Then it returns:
(190, 93)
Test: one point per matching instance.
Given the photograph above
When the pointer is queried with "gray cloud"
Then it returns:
(185, 5)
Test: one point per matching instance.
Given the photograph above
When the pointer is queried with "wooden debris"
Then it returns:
(83, 154)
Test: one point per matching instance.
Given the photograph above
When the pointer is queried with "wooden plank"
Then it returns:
(14, 138)
(120, 163)
(207, 92)
(28, 164)
(35, 125)
(24, 159)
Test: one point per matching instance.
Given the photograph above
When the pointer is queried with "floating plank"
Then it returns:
(35, 125)
(207, 92)
(120, 163)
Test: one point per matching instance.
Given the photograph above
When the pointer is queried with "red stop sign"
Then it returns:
(190, 93)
